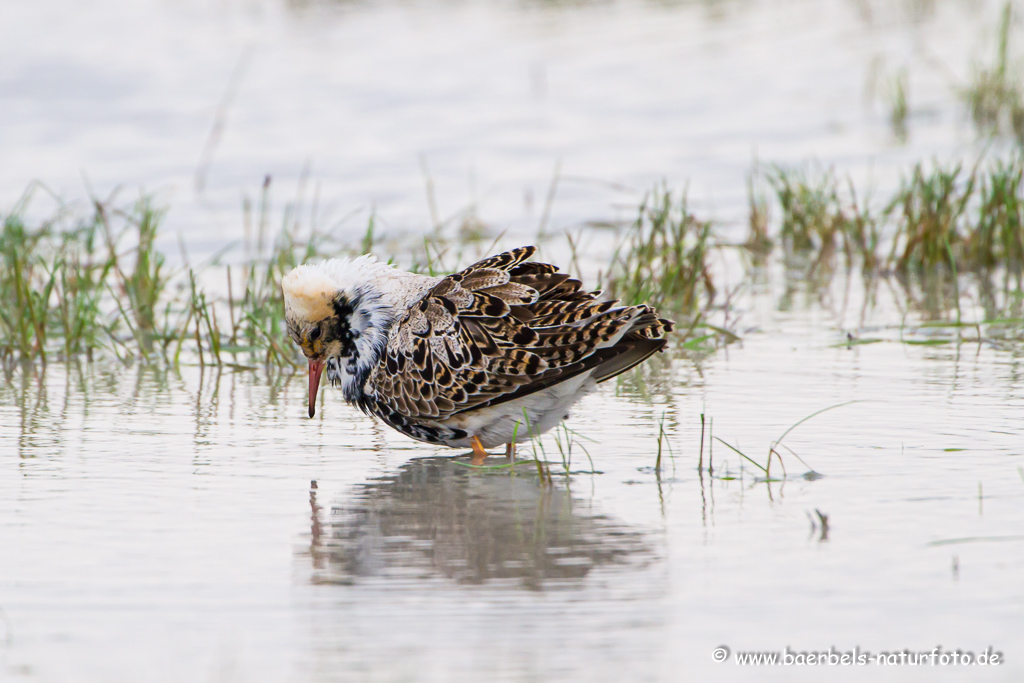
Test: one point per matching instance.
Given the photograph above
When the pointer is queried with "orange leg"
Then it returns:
(479, 454)
(510, 450)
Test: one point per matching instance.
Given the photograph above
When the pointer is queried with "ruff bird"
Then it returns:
(493, 354)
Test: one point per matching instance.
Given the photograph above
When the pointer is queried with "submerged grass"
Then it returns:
(774, 452)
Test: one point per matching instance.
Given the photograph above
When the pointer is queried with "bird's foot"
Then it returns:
(479, 454)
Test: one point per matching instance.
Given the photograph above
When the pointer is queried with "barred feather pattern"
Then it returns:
(500, 330)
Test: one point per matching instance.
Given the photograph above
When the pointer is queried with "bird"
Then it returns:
(493, 354)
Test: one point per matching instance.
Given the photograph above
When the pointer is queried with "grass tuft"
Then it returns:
(995, 96)
(818, 220)
(99, 281)
(899, 109)
(96, 280)
(997, 236)
(930, 211)
(663, 259)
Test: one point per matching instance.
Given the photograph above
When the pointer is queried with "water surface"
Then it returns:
(161, 524)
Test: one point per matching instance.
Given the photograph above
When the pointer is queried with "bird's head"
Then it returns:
(338, 318)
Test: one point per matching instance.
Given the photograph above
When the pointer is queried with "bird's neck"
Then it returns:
(376, 310)
(370, 323)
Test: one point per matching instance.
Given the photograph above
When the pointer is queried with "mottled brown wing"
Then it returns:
(503, 328)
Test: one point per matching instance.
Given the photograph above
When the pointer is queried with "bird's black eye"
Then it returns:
(315, 334)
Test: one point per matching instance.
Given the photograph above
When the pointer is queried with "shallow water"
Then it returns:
(161, 524)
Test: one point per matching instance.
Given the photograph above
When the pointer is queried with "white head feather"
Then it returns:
(375, 293)
(311, 289)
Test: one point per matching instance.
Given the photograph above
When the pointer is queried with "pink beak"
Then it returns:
(316, 369)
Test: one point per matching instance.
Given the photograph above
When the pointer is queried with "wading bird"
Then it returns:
(491, 355)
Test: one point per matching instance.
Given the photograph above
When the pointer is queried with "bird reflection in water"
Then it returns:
(437, 519)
